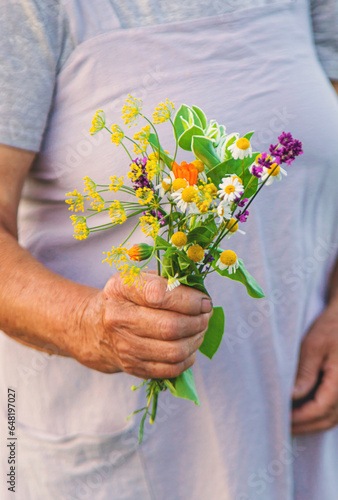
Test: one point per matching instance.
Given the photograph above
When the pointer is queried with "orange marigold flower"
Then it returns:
(186, 171)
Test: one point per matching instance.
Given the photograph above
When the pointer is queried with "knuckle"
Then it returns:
(190, 361)
(204, 321)
(153, 293)
(175, 370)
(169, 328)
(178, 354)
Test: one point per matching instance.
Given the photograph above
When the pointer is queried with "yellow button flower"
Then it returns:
(179, 239)
(195, 253)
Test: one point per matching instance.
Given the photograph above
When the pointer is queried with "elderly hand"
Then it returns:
(318, 354)
(150, 333)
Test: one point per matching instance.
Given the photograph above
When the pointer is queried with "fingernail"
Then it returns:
(206, 306)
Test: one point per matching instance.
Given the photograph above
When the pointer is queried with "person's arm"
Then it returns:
(319, 354)
(148, 333)
(335, 85)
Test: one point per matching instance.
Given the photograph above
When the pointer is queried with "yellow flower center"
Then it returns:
(179, 239)
(232, 225)
(195, 253)
(188, 194)
(228, 257)
(166, 184)
(229, 189)
(243, 143)
(199, 166)
(238, 178)
(274, 169)
(179, 183)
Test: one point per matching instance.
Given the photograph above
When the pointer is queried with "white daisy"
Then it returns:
(276, 174)
(173, 283)
(224, 211)
(228, 260)
(240, 149)
(230, 188)
(164, 186)
(184, 197)
(232, 225)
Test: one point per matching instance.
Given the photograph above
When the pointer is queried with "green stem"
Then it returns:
(176, 139)
(125, 241)
(121, 142)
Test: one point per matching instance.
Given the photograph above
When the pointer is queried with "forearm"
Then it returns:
(333, 286)
(335, 85)
(38, 307)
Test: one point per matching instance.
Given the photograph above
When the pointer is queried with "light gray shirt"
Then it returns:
(36, 40)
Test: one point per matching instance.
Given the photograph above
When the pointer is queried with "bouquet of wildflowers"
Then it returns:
(188, 211)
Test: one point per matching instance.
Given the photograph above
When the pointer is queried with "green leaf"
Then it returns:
(201, 116)
(251, 190)
(185, 139)
(164, 156)
(204, 150)
(242, 275)
(202, 235)
(162, 242)
(183, 263)
(249, 135)
(183, 386)
(189, 116)
(194, 281)
(168, 267)
(222, 169)
(213, 335)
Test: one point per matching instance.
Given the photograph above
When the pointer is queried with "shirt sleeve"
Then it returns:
(325, 29)
(34, 43)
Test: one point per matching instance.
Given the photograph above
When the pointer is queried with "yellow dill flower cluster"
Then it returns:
(98, 122)
(142, 137)
(163, 111)
(131, 110)
(81, 230)
(76, 201)
(135, 172)
(115, 183)
(144, 195)
(98, 201)
(90, 188)
(117, 212)
(132, 275)
(205, 195)
(117, 135)
(117, 256)
(150, 225)
(89, 185)
(152, 166)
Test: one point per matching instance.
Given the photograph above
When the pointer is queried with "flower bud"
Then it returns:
(140, 251)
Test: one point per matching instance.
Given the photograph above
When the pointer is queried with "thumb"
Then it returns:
(311, 359)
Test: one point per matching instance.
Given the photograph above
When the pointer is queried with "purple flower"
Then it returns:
(256, 171)
(241, 203)
(287, 149)
(242, 217)
(285, 139)
(142, 181)
(264, 160)
(209, 258)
